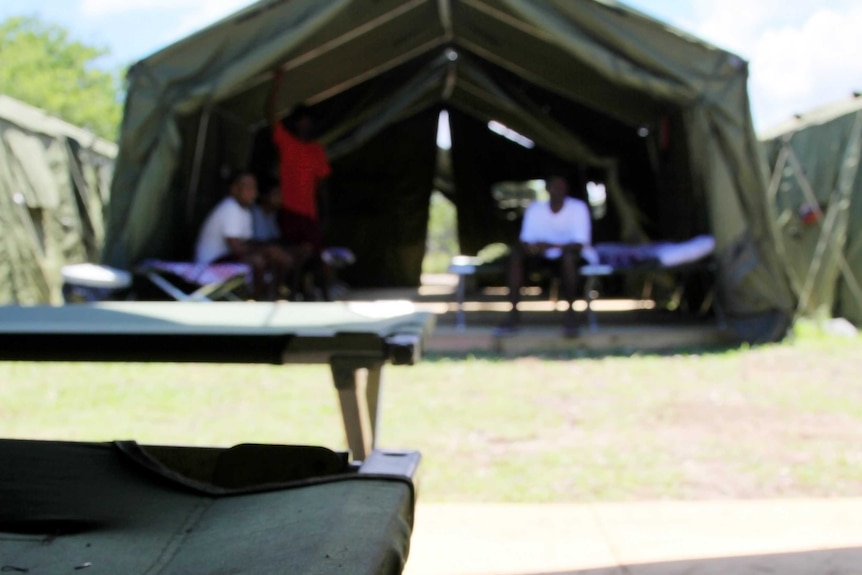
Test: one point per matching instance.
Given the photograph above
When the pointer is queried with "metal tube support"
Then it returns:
(357, 381)
(373, 377)
(461, 294)
(588, 296)
(200, 145)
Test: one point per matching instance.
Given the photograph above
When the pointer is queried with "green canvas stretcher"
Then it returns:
(125, 509)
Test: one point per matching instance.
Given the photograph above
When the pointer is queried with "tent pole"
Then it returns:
(449, 82)
(446, 19)
(510, 20)
(775, 181)
(825, 232)
(817, 259)
(200, 144)
(810, 196)
(335, 43)
(376, 71)
(445, 8)
(529, 76)
(772, 197)
(850, 278)
(849, 170)
(82, 191)
(357, 32)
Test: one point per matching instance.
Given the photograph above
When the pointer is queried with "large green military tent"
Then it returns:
(660, 117)
(817, 189)
(54, 186)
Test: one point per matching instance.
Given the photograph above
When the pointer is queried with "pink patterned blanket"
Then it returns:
(665, 254)
(200, 274)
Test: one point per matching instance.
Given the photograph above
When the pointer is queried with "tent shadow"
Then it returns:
(841, 561)
(624, 334)
(567, 355)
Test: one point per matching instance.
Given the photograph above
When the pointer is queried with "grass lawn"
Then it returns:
(781, 420)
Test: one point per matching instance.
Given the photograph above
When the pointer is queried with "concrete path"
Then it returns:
(788, 537)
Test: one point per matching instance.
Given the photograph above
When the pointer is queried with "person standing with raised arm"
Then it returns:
(303, 175)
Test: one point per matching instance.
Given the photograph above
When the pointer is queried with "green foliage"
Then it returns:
(442, 241)
(40, 64)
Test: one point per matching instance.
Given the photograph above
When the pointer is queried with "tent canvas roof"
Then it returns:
(814, 117)
(38, 121)
(578, 78)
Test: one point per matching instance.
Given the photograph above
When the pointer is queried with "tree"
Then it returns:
(40, 64)
(442, 241)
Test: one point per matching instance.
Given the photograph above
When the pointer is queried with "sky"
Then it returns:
(801, 53)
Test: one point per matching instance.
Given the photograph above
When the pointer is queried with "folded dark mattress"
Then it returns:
(121, 508)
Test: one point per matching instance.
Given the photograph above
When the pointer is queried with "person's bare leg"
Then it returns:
(326, 279)
(258, 275)
(569, 272)
(300, 254)
(516, 281)
(279, 263)
(320, 274)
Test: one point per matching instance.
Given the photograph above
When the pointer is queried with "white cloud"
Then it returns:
(733, 24)
(205, 12)
(803, 54)
(187, 15)
(798, 68)
(99, 8)
(162, 21)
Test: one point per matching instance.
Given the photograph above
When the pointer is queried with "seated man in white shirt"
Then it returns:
(554, 234)
(227, 236)
(265, 215)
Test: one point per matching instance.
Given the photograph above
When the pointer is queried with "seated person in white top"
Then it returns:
(264, 216)
(266, 230)
(554, 234)
(227, 236)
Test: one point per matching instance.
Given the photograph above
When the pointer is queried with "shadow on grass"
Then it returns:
(591, 354)
(844, 561)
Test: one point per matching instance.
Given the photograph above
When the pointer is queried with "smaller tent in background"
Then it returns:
(54, 187)
(816, 186)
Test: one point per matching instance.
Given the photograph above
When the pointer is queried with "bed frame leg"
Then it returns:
(358, 384)
(593, 323)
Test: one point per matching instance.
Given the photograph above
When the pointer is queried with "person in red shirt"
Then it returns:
(303, 173)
